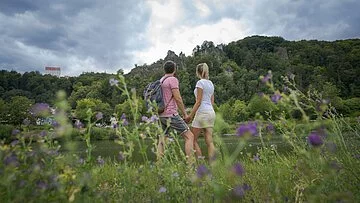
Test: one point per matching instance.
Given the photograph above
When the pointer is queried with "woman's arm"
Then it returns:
(196, 106)
(212, 100)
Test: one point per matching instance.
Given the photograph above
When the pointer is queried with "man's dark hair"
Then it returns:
(169, 66)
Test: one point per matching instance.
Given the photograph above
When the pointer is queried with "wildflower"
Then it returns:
(335, 165)
(270, 128)
(125, 122)
(100, 161)
(162, 189)
(55, 124)
(144, 119)
(14, 143)
(315, 139)
(238, 169)
(79, 124)
(26, 121)
(113, 82)
(249, 128)
(43, 133)
(15, 132)
(11, 160)
(42, 185)
(266, 78)
(238, 191)
(120, 156)
(99, 116)
(154, 118)
(123, 116)
(331, 147)
(175, 175)
(40, 109)
(81, 161)
(115, 125)
(246, 187)
(202, 171)
(261, 94)
(276, 97)
(22, 183)
(256, 157)
(291, 76)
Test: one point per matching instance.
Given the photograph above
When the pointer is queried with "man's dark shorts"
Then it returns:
(175, 122)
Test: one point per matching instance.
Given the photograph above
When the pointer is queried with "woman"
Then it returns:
(203, 111)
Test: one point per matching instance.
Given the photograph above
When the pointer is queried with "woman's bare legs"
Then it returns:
(196, 132)
(210, 143)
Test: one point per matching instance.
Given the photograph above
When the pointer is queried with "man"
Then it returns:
(170, 119)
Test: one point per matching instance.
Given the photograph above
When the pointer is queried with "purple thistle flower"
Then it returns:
(315, 139)
(266, 78)
(100, 161)
(154, 118)
(43, 133)
(144, 119)
(14, 143)
(11, 160)
(125, 122)
(78, 124)
(55, 124)
(123, 116)
(162, 189)
(238, 169)
(115, 125)
(238, 191)
(15, 132)
(40, 109)
(202, 171)
(99, 116)
(270, 128)
(246, 187)
(276, 97)
(113, 82)
(249, 128)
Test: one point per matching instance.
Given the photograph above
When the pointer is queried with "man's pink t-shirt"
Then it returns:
(170, 103)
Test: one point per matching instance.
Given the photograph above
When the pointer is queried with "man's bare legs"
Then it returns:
(196, 132)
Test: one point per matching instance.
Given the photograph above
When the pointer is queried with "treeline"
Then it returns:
(331, 68)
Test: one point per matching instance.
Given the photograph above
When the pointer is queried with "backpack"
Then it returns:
(153, 94)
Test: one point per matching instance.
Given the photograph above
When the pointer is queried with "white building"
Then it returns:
(53, 71)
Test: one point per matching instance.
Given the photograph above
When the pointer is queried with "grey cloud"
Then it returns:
(292, 19)
(99, 32)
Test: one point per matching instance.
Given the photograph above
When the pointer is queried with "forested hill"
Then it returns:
(333, 68)
(235, 68)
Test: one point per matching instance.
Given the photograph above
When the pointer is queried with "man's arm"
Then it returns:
(179, 101)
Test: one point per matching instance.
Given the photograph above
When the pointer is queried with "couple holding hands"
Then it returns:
(202, 114)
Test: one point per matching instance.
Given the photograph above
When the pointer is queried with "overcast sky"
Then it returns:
(106, 35)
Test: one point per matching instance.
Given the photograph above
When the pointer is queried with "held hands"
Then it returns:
(187, 118)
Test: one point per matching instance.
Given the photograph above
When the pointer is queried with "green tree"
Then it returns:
(18, 109)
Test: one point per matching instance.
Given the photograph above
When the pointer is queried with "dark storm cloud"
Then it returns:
(101, 34)
(292, 19)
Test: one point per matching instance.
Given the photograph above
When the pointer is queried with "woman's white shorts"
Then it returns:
(205, 119)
